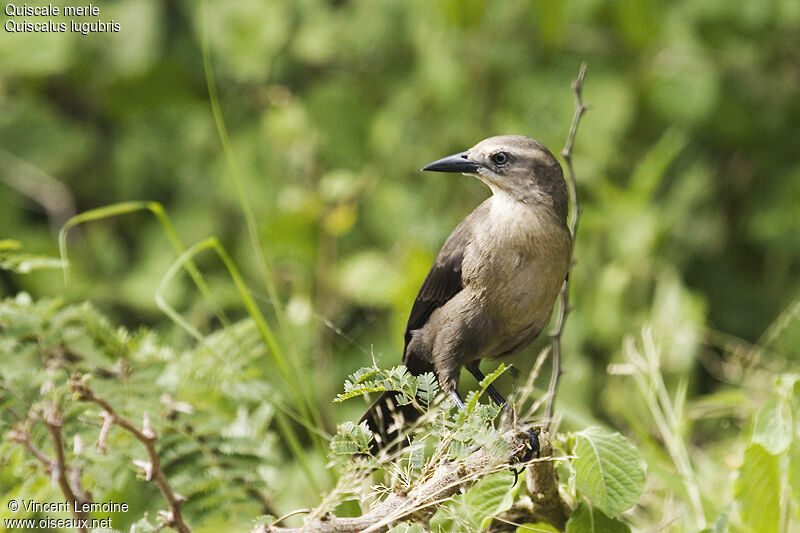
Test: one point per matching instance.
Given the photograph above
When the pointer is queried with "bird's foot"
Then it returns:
(496, 397)
(532, 450)
(456, 397)
(533, 445)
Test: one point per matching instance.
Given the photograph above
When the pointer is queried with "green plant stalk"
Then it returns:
(651, 386)
(124, 208)
(252, 309)
(170, 311)
(252, 230)
(294, 444)
(185, 260)
(213, 243)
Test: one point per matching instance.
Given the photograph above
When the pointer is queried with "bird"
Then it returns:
(493, 286)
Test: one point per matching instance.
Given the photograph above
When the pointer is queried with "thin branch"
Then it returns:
(56, 467)
(21, 436)
(173, 517)
(572, 186)
(54, 422)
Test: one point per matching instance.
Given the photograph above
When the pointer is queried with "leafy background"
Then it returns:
(687, 167)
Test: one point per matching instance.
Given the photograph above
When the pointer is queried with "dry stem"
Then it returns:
(172, 518)
(563, 308)
(56, 467)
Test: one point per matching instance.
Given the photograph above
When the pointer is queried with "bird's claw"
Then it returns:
(533, 445)
(531, 450)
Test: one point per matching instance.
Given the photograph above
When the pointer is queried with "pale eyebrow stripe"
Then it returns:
(533, 156)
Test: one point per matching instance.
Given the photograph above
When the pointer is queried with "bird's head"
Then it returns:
(515, 165)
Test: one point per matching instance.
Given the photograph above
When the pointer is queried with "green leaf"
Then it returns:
(490, 496)
(9, 244)
(587, 519)
(416, 457)
(608, 470)
(264, 519)
(537, 528)
(723, 521)
(772, 428)
(794, 471)
(474, 510)
(472, 403)
(757, 490)
(351, 439)
(656, 162)
(427, 388)
(27, 263)
(363, 373)
(351, 390)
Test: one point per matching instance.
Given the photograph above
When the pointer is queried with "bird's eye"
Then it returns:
(500, 158)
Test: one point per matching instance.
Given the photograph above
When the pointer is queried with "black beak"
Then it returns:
(453, 163)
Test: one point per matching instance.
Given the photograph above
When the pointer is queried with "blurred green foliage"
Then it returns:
(687, 167)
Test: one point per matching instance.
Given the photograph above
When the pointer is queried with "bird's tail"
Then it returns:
(387, 419)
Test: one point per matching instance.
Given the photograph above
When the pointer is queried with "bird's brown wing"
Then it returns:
(443, 281)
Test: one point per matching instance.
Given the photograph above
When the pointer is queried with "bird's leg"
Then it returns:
(475, 369)
(456, 397)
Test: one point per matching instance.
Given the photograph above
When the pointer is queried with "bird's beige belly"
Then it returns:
(518, 316)
(525, 281)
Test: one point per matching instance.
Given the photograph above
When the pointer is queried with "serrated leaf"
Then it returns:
(363, 373)
(587, 519)
(353, 390)
(351, 439)
(264, 519)
(427, 388)
(723, 520)
(416, 457)
(398, 373)
(757, 490)
(772, 427)
(458, 450)
(608, 470)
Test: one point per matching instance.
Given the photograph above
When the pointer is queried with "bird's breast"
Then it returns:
(515, 267)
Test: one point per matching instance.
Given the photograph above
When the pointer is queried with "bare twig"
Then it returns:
(419, 503)
(572, 186)
(21, 435)
(56, 467)
(147, 436)
(54, 422)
